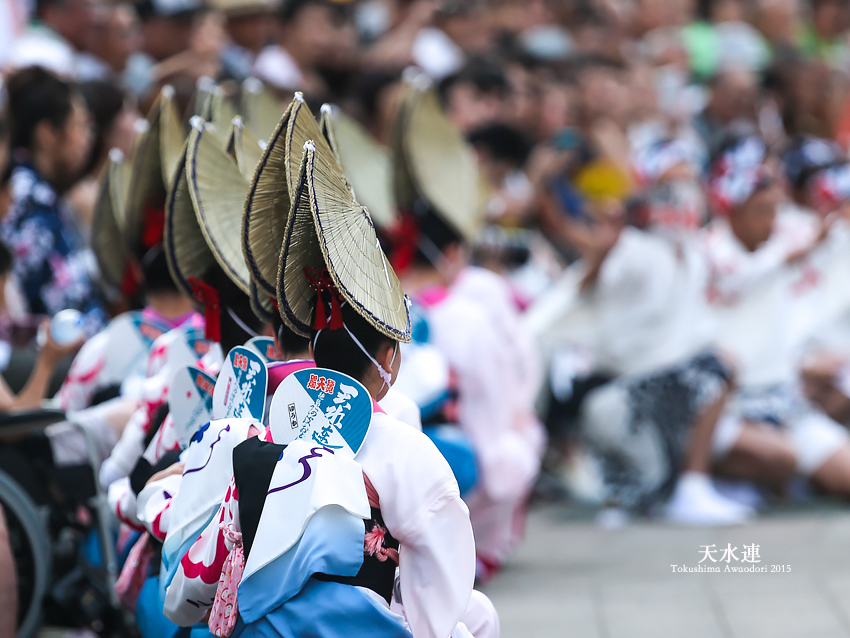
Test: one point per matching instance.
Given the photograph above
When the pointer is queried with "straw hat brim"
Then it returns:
(404, 190)
(327, 228)
(171, 136)
(367, 165)
(260, 109)
(186, 249)
(218, 188)
(262, 305)
(221, 111)
(152, 162)
(326, 126)
(267, 208)
(119, 183)
(442, 166)
(245, 148)
(106, 240)
(268, 202)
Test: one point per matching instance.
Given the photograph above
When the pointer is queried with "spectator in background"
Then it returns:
(116, 36)
(249, 28)
(780, 23)
(750, 249)
(309, 34)
(502, 154)
(821, 37)
(114, 117)
(457, 30)
(60, 30)
(653, 425)
(805, 98)
(46, 362)
(167, 28)
(474, 96)
(730, 109)
(51, 139)
(722, 36)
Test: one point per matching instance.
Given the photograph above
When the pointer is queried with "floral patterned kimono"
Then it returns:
(54, 269)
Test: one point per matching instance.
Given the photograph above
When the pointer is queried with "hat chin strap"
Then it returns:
(240, 323)
(386, 377)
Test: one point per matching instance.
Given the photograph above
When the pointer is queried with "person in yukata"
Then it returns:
(754, 248)
(51, 139)
(474, 324)
(340, 571)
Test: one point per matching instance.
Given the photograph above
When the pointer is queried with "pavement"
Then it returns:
(573, 578)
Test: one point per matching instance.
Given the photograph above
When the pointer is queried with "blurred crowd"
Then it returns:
(664, 209)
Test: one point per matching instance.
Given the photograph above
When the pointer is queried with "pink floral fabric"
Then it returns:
(134, 572)
(225, 609)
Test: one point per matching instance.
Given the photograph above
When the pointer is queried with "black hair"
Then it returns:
(289, 9)
(105, 102)
(703, 10)
(5, 259)
(585, 15)
(36, 95)
(290, 342)
(336, 350)
(232, 300)
(42, 5)
(483, 73)
(815, 4)
(596, 62)
(366, 92)
(435, 234)
(157, 276)
(146, 9)
(502, 143)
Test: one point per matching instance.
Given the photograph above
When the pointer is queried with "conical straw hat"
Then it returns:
(403, 188)
(221, 110)
(326, 125)
(155, 157)
(106, 239)
(366, 163)
(244, 147)
(201, 104)
(262, 305)
(119, 183)
(186, 249)
(328, 229)
(268, 202)
(260, 109)
(442, 167)
(218, 190)
(171, 134)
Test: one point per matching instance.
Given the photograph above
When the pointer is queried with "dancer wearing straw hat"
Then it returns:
(335, 284)
(471, 321)
(153, 168)
(205, 257)
(115, 362)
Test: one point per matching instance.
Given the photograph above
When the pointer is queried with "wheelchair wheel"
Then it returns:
(31, 552)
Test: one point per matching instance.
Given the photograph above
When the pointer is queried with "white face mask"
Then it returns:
(386, 377)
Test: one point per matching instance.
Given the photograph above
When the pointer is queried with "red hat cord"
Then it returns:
(404, 239)
(207, 295)
(320, 282)
(154, 226)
